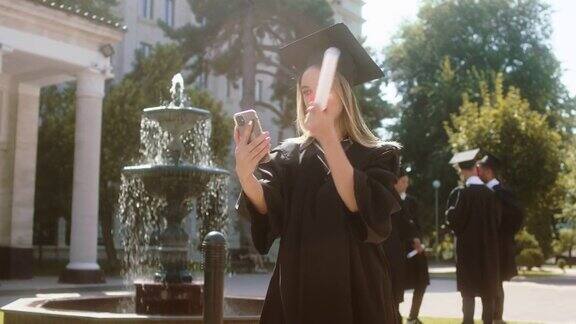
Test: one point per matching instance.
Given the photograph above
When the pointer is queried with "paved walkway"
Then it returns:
(542, 299)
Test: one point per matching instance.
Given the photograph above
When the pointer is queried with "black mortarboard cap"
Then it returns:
(490, 161)
(355, 63)
(466, 159)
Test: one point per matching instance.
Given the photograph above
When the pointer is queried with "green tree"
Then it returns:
(567, 217)
(566, 239)
(566, 242)
(373, 106)
(528, 251)
(527, 146)
(55, 161)
(449, 50)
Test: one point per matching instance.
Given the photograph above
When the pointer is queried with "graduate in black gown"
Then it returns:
(416, 268)
(398, 244)
(511, 223)
(473, 214)
(327, 195)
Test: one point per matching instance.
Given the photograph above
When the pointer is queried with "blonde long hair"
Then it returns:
(350, 119)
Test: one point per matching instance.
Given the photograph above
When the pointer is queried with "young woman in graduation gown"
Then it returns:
(327, 195)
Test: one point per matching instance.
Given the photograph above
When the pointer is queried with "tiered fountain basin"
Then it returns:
(114, 307)
(187, 179)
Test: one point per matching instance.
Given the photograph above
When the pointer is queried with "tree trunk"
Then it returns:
(248, 59)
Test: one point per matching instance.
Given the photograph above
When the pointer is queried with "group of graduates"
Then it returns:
(484, 217)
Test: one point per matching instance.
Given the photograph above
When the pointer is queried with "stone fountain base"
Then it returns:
(175, 299)
(114, 307)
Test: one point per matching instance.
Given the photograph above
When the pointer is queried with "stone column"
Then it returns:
(17, 255)
(83, 266)
(6, 167)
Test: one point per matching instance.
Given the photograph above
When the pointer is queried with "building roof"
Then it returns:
(75, 10)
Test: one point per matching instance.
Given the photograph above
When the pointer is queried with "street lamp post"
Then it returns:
(436, 185)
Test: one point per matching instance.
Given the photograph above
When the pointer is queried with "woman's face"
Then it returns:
(308, 85)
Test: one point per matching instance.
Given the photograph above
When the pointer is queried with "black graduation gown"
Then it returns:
(403, 231)
(475, 218)
(512, 218)
(331, 267)
(416, 274)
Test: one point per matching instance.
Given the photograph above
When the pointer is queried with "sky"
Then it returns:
(384, 17)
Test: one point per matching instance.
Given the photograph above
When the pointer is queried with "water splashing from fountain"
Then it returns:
(175, 173)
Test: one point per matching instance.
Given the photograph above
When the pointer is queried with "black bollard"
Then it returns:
(214, 263)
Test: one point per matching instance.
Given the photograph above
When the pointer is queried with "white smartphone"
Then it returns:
(242, 119)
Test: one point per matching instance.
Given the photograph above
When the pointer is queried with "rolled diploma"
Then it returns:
(327, 72)
(413, 253)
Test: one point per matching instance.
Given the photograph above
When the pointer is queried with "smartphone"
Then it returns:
(242, 119)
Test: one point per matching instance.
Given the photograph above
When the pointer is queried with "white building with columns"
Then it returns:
(42, 45)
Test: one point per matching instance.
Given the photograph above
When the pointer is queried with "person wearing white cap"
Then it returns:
(473, 214)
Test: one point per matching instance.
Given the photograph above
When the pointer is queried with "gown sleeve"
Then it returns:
(265, 228)
(375, 195)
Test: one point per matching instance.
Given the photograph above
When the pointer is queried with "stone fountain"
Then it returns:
(175, 181)
(170, 294)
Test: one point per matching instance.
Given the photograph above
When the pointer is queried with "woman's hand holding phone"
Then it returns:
(248, 153)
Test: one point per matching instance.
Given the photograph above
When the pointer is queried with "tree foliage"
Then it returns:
(372, 105)
(529, 149)
(528, 254)
(55, 161)
(451, 48)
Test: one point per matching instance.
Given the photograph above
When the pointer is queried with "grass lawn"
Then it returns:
(429, 320)
(1, 318)
(538, 273)
(444, 275)
(534, 273)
